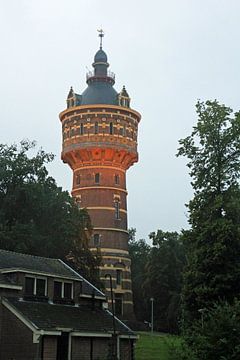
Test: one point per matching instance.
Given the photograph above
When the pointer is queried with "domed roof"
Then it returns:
(99, 93)
(100, 56)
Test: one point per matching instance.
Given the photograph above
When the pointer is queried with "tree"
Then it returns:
(216, 334)
(139, 252)
(36, 216)
(213, 241)
(163, 278)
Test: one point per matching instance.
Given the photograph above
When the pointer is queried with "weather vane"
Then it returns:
(101, 35)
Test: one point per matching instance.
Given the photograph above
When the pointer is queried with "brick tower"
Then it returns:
(99, 144)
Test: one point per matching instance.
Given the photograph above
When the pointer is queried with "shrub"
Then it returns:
(216, 335)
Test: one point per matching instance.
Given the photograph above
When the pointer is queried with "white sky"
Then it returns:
(168, 54)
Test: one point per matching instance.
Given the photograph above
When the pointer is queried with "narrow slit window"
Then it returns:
(81, 129)
(119, 277)
(111, 128)
(117, 210)
(78, 180)
(117, 179)
(97, 178)
(96, 240)
(96, 127)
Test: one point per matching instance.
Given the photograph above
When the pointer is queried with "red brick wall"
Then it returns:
(98, 150)
(16, 340)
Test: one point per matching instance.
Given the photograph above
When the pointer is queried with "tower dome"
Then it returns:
(100, 56)
(100, 82)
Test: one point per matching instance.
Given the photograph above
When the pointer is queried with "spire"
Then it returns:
(101, 35)
(71, 93)
(100, 74)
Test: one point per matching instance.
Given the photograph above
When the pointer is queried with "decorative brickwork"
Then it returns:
(99, 144)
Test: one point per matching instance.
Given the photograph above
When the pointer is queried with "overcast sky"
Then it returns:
(168, 54)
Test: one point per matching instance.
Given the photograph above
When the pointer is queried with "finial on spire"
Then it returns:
(101, 35)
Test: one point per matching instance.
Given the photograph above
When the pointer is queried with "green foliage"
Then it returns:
(163, 279)
(36, 216)
(213, 242)
(139, 252)
(216, 334)
(179, 350)
(213, 148)
(156, 273)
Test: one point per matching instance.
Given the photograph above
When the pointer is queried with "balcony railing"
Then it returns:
(91, 74)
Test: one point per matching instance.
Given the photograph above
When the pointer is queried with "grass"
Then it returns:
(154, 347)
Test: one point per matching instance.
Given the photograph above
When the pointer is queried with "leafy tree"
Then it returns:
(213, 242)
(163, 278)
(36, 216)
(139, 252)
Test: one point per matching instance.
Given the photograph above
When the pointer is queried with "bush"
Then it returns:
(216, 335)
(179, 350)
(213, 337)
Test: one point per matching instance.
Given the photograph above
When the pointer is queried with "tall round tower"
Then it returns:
(99, 144)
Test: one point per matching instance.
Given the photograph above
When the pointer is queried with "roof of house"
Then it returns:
(12, 261)
(52, 317)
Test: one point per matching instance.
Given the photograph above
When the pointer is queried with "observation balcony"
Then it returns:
(110, 74)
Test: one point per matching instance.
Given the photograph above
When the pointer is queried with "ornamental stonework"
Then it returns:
(99, 143)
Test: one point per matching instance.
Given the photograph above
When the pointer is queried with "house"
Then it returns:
(49, 312)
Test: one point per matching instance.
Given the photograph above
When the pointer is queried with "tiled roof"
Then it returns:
(51, 317)
(10, 260)
(13, 260)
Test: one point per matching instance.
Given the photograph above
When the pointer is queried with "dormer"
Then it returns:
(73, 99)
(123, 98)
